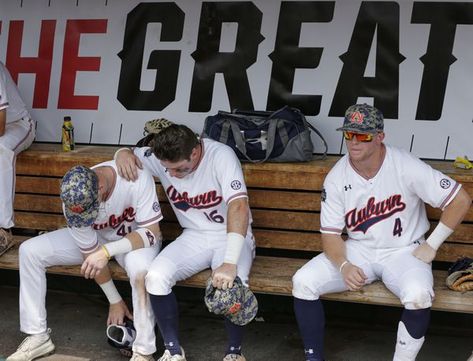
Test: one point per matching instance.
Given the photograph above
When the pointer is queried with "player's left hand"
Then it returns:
(117, 313)
(223, 276)
(94, 264)
(425, 253)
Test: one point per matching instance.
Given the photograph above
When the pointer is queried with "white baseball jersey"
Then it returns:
(10, 98)
(200, 199)
(387, 211)
(130, 205)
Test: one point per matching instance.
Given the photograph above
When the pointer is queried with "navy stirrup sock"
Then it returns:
(167, 317)
(235, 337)
(416, 321)
(311, 321)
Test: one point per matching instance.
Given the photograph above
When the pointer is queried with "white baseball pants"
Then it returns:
(407, 277)
(18, 136)
(191, 253)
(58, 248)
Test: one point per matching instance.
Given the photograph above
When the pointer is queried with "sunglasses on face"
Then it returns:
(361, 137)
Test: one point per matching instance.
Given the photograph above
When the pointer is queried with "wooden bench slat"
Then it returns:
(273, 275)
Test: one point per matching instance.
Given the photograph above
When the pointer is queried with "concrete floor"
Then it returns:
(354, 332)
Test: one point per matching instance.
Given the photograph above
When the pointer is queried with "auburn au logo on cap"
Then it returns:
(357, 117)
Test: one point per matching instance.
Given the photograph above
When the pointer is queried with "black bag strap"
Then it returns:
(324, 155)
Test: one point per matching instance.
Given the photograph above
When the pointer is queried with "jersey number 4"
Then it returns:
(122, 231)
(397, 230)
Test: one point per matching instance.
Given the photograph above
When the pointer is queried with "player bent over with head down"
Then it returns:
(204, 183)
(377, 192)
(107, 217)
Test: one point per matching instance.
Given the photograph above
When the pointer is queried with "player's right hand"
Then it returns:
(94, 264)
(128, 164)
(354, 277)
(117, 313)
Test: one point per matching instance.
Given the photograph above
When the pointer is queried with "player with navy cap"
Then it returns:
(376, 193)
(106, 217)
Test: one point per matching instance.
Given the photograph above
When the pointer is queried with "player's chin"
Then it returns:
(356, 154)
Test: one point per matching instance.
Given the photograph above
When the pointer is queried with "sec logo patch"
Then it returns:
(236, 184)
(445, 183)
(156, 207)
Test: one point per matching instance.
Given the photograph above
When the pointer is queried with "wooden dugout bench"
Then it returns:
(285, 203)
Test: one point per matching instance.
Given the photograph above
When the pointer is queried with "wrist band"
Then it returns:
(110, 292)
(118, 247)
(105, 250)
(148, 238)
(439, 235)
(344, 263)
(235, 243)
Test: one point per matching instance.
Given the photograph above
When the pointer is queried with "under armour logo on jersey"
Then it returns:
(347, 187)
(445, 183)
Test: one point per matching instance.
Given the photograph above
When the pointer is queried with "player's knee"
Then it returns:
(27, 252)
(301, 287)
(417, 298)
(159, 280)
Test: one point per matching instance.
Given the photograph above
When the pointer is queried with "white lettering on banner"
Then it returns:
(114, 65)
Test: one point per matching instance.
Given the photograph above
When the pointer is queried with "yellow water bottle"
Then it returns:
(67, 135)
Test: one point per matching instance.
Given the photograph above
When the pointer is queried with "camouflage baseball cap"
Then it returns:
(363, 118)
(238, 303)
(80, 195)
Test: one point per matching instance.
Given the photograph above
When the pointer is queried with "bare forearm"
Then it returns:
(334, 248)
(103, 276)
(238, 216)
(454, 213)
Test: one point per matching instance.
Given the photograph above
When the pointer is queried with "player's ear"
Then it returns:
(380, 136)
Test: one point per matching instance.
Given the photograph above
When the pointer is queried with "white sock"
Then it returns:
(407, 347)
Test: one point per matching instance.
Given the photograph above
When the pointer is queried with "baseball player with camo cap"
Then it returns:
(204, 183)
(377, 193)
(106, 217)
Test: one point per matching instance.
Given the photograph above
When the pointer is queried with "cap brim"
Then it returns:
(353, 128)
(84, 219)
